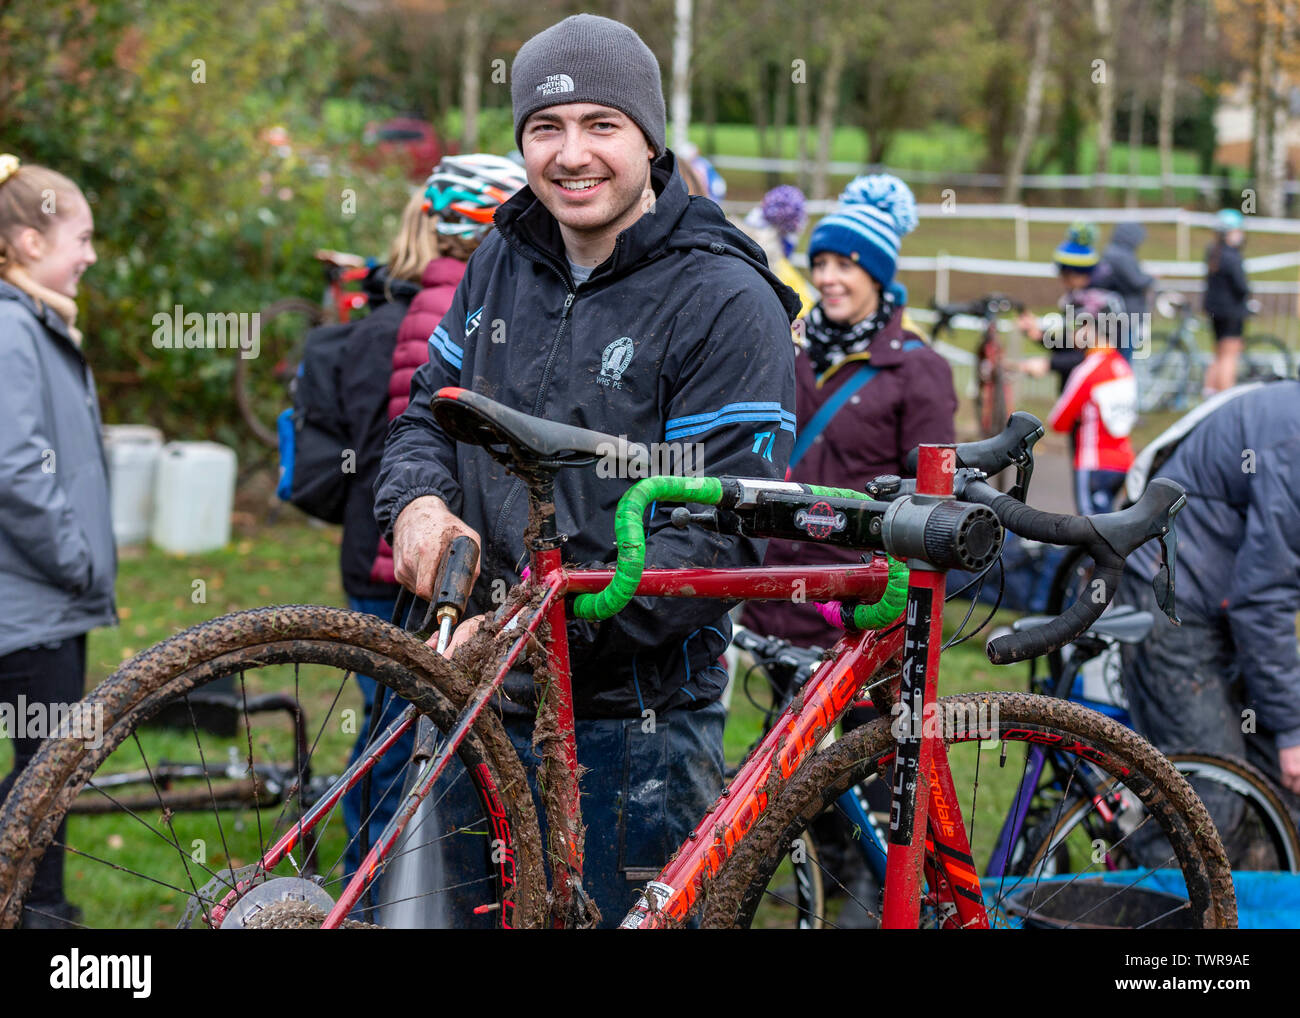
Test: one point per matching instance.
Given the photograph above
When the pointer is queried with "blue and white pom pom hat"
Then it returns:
(874, 213)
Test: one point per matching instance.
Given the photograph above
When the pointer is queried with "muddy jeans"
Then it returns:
(643, 792)
(1185, 693)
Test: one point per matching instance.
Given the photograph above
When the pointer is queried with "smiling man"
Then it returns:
(609, 299)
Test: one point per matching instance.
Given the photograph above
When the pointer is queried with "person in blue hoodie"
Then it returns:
(628, 307)
(58, 562)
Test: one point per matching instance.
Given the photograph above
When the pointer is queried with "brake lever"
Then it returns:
(1163, 582)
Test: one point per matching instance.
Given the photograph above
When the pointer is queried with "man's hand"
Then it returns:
(1289, 760)
(423, 533)
(462, 633)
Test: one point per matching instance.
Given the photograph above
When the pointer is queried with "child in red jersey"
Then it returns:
(1099, 407)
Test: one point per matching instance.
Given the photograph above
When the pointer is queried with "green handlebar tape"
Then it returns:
(629, 530)
(825, 492)
(887, 610)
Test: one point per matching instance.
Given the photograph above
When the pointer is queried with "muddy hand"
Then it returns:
(423, 533)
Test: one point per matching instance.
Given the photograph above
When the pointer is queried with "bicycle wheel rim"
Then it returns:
(1021, 720)
(296, 637)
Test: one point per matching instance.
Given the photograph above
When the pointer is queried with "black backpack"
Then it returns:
(313, 433)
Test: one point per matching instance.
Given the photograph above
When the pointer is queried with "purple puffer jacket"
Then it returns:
(910, 400)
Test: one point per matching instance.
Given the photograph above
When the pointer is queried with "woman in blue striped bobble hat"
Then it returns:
(869, 389)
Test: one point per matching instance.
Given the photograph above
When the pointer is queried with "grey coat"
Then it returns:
(57, 558)
(1120, 271)
(1238, 568)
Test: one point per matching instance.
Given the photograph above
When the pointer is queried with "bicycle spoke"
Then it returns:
(206, 777)
(248, 731)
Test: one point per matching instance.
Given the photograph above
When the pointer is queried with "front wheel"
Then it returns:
(989, 737)
(183, 826)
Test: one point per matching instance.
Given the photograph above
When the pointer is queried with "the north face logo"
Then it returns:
(556, 83)
(614, 361)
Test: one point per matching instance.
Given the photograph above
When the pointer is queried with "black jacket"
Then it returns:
(1226, 288)
(363, 398)
(1239, 542)
(690, 300)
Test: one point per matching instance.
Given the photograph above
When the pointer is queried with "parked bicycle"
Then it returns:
(993, 398)
(264, 384)
(949, 517)
(1172, 373)
(1045, 836)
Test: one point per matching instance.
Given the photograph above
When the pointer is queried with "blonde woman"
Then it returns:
(57, 558)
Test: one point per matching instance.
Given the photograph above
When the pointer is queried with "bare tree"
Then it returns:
(1101, 13)
(471, 84)
(827, 108)
(1168, 95)
(1033, 99)
(681, 101)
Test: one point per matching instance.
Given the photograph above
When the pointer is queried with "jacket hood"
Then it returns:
(679, 221)
(1129, 235)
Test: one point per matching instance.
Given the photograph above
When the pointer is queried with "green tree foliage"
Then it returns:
(160, 111)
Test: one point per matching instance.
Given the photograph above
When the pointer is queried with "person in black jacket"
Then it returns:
(1120, 272)
(1227, 680)
(1227, 294)
(363, 396)
(610, 299)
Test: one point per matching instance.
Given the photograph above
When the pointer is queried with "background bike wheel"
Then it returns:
(1164, 379)
(1260, 837)
(987, 773)
(1265, 357)
(166, 858)
(262, 383)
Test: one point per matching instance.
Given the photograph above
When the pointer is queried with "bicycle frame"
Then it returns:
(922, 788)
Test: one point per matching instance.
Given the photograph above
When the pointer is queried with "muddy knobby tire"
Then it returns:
(306, 634)
(865, 752)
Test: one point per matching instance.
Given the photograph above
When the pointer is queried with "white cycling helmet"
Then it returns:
(464, 192)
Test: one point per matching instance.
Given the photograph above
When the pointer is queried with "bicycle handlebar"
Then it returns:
(1014, 447)
(1108, 537)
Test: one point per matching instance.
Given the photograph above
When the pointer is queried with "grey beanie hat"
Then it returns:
(589, 59)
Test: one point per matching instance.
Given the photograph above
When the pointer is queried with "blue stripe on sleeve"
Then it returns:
(450, 352)
(732, 413)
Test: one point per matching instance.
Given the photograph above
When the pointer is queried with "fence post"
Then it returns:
(941, 278)
(1183, 236)
(1022, 234)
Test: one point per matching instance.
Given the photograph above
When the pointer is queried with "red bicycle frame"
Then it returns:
(927, 838)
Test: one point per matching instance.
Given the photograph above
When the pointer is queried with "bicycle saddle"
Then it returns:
(1123, 624)
(472, 418)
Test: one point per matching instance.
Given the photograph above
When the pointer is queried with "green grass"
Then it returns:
(158, 595)
(942, 147)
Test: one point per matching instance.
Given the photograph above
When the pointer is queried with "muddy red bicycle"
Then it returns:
(945, 759)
